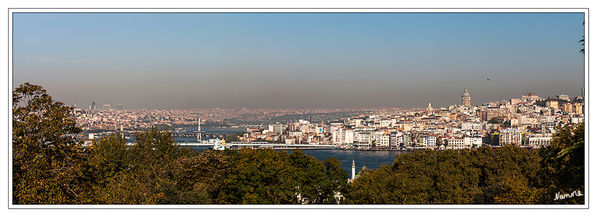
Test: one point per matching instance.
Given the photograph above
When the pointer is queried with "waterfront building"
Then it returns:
(430, 141)
(470, 142)
(384, 140)
(396, 139)
(511, 136)
(455, 143)
(348, 136)
(538, 140)
(364, 137)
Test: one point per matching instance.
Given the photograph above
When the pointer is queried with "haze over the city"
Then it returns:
(297, 60)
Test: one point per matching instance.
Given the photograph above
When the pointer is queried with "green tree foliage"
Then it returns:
(50, 167)
(563, 165)
(46, 160)
(336, 185)
(451, 177)
(265, 176)
(200, 178)
(146, 178)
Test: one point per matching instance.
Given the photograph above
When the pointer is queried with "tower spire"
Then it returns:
(199, 129)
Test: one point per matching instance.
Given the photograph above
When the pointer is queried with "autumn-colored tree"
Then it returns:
(107, 157)
(261, 176)
(478, 176)
(46, 159)
(137, 174)
(51, 167)
(200, 178)
(563, 165)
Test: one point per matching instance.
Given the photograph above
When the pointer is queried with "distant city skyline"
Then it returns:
(297, 60)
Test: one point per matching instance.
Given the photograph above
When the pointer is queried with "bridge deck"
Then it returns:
(277, 145)
(259, 145)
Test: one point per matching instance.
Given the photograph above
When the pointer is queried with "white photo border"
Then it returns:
(11, 11)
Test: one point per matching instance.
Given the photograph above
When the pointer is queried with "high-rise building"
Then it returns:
(466, 98)
(278, 129)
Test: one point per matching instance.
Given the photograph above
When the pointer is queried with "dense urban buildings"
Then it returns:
(529, 121)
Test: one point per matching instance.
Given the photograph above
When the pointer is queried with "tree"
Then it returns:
(107, 157)
(479, 176)
(260, 176)
(582, 42)
(563, 163)
(146, 178)
(337, 184)
(46, 159)
(264, 176)
(199, 179)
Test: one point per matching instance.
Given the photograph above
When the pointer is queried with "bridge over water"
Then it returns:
(219, 145)
(222, 145)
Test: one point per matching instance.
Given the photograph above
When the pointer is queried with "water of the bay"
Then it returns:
(369, 159)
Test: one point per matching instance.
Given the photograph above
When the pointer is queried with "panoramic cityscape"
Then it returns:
(298, 108)
(528, 121)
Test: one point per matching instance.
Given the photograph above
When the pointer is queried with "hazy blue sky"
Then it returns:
(296, 60)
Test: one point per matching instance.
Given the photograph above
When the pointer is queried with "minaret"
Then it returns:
(353, 169)
(199, 129)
